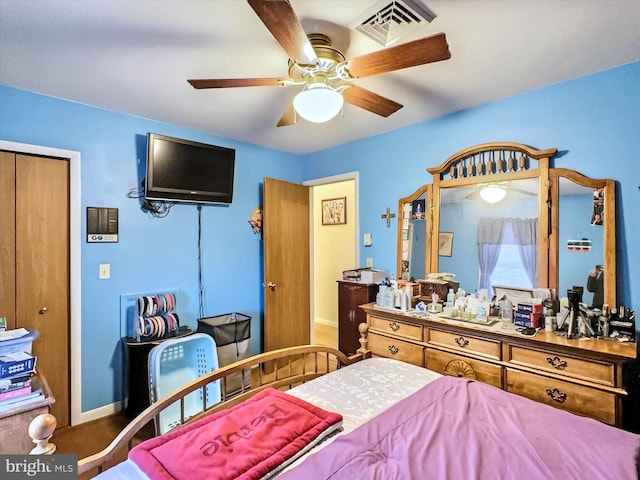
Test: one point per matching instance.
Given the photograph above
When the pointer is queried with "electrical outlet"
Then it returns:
(369, 262)
(105, 271)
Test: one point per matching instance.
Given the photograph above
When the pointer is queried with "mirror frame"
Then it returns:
(426, 190)
(609, 226)
(495, 162)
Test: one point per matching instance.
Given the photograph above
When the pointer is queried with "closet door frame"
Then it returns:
(75, 248)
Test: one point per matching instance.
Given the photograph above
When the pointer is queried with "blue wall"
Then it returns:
(153, 254)
(595, 119)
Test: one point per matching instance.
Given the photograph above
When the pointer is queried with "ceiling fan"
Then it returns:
(494, 192)
(326, 75)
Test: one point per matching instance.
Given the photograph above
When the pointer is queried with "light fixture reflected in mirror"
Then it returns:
(493, 193)
(318, 102)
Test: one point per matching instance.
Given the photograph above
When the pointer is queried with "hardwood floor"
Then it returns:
(326, 334)
(91, 437)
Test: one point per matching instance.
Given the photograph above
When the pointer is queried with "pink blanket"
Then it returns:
(456, 429)
(245, 442)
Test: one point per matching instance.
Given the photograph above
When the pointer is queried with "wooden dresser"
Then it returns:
(580, 376)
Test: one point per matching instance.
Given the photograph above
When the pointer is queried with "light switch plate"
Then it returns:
(105, 271)
(368, 240)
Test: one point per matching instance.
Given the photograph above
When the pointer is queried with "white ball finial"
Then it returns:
(41, 430)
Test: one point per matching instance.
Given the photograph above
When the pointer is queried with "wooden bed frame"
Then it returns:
(282, 369)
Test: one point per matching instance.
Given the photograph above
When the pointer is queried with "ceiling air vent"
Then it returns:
(389, 20)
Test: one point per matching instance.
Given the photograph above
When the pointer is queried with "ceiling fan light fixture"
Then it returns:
(492, 193)
(318, 102)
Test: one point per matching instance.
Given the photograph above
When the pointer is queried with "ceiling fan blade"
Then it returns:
(523, 192)
(363, 98)
(474, 195)
(282, 21)
(236, 82)
(425, 50)
(288, 118)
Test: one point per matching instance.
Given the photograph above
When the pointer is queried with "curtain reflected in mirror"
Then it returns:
(502, 264)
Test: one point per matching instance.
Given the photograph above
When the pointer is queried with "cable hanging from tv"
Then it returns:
(157, 208)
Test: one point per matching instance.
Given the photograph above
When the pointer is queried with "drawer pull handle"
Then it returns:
(556, 395)
(394, 326)
(557, 362)
(462, 342)
(352, 316)
(393, 349)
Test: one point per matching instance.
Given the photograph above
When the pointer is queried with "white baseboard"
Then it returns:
(324, 321)
(100, 412)
(116, 407)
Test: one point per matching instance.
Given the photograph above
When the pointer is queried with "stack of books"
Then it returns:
(17, 391)
(18, 384)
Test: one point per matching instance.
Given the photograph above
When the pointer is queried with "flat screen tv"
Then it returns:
(185, 171)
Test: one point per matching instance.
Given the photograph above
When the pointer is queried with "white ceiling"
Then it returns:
(134, 56)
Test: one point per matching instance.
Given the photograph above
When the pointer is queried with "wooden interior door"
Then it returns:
(40, 270)
(8, 237)
(287, 309)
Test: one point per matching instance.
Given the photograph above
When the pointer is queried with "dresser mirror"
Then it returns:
(456, 203)
(583, 236)
(414, 224)
(572, 217)
(504, 216)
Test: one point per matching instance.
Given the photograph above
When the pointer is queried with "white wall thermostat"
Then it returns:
(368, 240)
(102, 225)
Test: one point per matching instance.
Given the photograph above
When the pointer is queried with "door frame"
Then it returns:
(75, 246)
(355, 176)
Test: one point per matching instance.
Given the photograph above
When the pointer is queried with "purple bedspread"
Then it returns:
(457, 429)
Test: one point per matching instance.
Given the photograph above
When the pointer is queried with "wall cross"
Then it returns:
(388, 215)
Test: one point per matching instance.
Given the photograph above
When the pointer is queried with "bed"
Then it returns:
(376, 418)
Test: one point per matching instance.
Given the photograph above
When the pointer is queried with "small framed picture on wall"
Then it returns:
(417, 209)
(446, 244)
(334, 211)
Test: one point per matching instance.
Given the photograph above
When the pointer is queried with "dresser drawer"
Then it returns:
(573, 398)
(382, 346)
(465, 367)
(465, 343)
(563, 364)
(394, 327)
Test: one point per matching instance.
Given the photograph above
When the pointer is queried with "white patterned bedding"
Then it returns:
(358, 392)
(364, 389)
